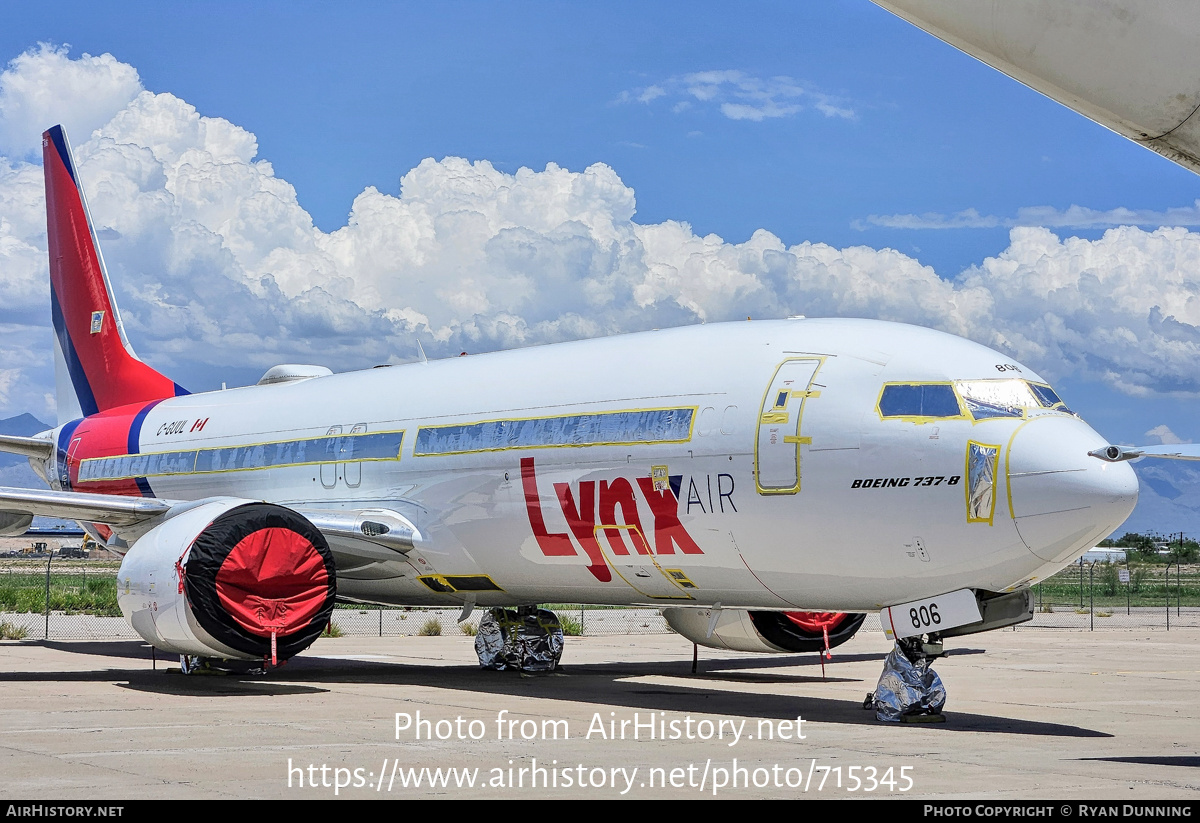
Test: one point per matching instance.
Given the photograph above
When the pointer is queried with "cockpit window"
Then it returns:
(1006, 398)
(997, 398)
(927, 400)
(1049, 398)
(980, 399)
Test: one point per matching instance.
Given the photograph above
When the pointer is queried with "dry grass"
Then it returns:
(11, 631)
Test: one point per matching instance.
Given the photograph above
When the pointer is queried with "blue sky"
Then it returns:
(356, 94)
(818, 122)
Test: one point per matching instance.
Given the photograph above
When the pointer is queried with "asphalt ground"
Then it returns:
(1031, 715)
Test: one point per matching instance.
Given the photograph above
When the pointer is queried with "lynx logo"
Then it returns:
(591, 511)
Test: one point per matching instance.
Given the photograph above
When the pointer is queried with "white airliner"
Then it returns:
(742, 476)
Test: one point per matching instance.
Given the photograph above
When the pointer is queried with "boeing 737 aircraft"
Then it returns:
(732, 474)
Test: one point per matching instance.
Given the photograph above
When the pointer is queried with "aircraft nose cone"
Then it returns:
(1062, 499)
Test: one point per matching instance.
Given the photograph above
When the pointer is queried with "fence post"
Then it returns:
(1168, 587)
(1091, 598)
(1129, 574)
(1081, 581)
(1179, 593)
(49, 558)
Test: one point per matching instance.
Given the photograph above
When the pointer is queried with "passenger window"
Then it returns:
(729, 420)
(918, 400)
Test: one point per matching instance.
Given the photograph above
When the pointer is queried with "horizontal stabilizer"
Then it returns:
(27, 446)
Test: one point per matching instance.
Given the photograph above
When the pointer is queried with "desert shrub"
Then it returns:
(11, 631)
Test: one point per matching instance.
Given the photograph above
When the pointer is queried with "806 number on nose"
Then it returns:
(932, 614)
(925, 617)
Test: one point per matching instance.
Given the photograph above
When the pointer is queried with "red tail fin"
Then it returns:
(95, 367)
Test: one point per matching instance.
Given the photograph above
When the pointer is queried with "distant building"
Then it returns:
(1103, 555)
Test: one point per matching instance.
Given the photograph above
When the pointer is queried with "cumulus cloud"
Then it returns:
(1165, 436)
(44, 87)
(1123, 309)
(215, 262)
(739, 96)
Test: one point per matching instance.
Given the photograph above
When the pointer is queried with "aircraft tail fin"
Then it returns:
(95, 367)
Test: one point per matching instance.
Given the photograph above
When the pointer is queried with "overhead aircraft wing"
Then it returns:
(366, 535)
(1131, 66)
(1177, 451)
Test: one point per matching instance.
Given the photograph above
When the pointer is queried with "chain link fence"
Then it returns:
(82, 605)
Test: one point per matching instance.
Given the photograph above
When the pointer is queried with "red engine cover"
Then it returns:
(261, 573)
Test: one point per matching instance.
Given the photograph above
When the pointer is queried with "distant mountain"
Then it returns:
(1169, 500)
(23, 425)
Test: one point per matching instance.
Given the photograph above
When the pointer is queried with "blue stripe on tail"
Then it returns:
(83, 390)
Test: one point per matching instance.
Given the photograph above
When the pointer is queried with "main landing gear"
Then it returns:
(194, 664)
(909, 691)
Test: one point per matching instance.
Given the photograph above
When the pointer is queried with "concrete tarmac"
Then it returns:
(1032, 714)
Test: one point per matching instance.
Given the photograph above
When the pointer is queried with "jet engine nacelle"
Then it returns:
(229, 578)
(754, 631)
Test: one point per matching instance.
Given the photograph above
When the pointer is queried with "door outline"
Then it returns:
(65, 469)
(777, 413)
(352, 470)
(640, 539)
(329, 470)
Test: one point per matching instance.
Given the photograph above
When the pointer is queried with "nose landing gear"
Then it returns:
(909, 691)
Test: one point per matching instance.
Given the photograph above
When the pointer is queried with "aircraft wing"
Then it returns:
(1133, 67)
(1177, 451)
(366, 535)
(110, 509)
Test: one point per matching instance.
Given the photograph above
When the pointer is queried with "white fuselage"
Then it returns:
(793, 490)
